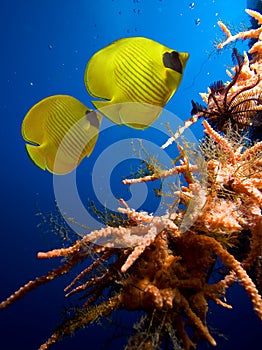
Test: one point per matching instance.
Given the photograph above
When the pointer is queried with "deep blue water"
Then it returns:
(45, 46)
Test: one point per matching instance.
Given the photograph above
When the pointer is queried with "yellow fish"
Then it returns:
(135, 78)
(61, 131)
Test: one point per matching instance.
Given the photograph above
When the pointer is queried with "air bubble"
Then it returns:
(197, 21)
(192, 5)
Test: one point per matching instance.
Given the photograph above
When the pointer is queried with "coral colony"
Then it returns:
(163, 270)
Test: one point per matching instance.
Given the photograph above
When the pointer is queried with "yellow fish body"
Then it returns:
(135, 78)
(61, 131)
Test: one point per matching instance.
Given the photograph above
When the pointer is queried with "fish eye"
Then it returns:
(171, 60)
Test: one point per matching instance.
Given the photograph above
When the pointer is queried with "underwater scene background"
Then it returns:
(45, 48)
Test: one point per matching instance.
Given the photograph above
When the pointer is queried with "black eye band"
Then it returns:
(92, 118)
(171, 60)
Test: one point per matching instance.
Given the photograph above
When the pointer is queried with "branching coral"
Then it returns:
(151, 264)
(238, 103)
(230, 107)
(161, 270)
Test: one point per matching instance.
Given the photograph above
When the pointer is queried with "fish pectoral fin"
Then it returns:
(109, 109)
(139, 115)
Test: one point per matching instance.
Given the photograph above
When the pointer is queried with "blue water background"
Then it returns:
(44, 49)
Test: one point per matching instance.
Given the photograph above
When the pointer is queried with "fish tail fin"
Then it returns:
(56, 161)
(37, 156)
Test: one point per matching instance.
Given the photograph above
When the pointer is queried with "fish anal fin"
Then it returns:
(109, 109)
(139, 115)
(133, 114)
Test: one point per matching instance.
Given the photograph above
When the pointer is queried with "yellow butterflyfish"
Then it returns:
(134, 79)
(61, 131)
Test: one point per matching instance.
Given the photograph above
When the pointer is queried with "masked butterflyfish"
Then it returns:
(132, 70)
(61, 131)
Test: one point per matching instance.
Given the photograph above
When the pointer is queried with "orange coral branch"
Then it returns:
(221, 141)
(235, 266)
(39, 281)
(252, 33)
(60, 252)
(163, 174)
